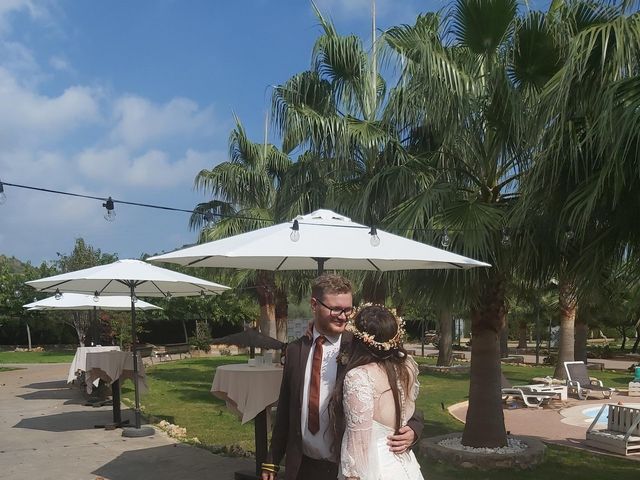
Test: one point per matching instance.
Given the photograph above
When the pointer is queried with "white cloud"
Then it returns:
(60, 63)
(26, 116)
(152, 169)
(388, 12)
(18, 59)
(35, 9)
(139, 122)
(24, 166)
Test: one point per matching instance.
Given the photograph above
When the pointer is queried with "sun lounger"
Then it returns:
(578, 381)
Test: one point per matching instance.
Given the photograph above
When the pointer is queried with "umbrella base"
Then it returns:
(143, 431)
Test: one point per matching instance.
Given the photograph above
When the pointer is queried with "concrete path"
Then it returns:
(47, 433)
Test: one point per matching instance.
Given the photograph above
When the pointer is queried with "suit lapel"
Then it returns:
(305, 347)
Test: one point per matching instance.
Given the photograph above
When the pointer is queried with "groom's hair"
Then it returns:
(330, 283)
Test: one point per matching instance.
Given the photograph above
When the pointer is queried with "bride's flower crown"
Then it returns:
(368, 339)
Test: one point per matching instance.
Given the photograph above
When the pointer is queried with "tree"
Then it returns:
(583, 170)
(245, 190)
(84, 256)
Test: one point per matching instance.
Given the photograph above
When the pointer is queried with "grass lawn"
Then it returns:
(179, 393)
(59, 356)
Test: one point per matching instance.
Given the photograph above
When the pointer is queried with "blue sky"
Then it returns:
(131, 99)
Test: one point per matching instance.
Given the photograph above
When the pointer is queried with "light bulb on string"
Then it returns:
(57, 295)
(96, 296)
(202, 294)
(445, 241)
(167, 295)
(506, 238)
(295, 231)
(374, 240)
(110, 216)
(134, 299)
(208, 219)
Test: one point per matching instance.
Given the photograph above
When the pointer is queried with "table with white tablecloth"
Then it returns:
(78, 365)
(111, 367)
(247, 389)
(250, 391)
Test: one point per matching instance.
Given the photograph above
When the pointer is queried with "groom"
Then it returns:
(301, 430)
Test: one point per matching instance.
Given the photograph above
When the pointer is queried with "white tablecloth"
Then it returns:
(247, 390)
(79, 359)
(111, 366)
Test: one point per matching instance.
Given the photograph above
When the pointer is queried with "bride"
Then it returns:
(375, 400)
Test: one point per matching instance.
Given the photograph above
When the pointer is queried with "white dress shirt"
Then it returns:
(318, 446)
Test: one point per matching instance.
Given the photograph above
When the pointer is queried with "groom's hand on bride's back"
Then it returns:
(401, 441)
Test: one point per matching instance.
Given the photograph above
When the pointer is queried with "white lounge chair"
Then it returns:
(578, 381)
(531, 395)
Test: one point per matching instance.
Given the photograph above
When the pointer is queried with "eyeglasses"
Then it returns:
(335, 311)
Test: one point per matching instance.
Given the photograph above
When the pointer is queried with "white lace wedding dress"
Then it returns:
(370, 417)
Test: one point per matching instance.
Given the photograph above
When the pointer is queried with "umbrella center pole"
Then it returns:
(134, 352)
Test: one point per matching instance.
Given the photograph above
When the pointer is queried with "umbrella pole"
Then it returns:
(134, 348)
(138, 430)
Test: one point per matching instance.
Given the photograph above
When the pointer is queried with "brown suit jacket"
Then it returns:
(286, 440)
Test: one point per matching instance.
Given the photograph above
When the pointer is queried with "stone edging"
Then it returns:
(528, 458)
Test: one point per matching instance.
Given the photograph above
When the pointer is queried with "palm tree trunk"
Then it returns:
(445, 339)
(636, 343)
(484, 425)
(28, 335)
(504, 340)
(266, 288)
(282, 314)
(522, 332)
(581, 335)
(568, 306)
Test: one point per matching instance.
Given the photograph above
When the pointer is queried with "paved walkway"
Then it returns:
(47, 433)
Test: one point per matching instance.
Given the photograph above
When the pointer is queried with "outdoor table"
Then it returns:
(250, 391)
(111, 367)
(79, 359)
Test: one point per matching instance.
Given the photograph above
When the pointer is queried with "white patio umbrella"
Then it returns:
(132, 278)
(320, 240)
(81, 301)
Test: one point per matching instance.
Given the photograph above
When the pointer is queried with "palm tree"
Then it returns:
(460, 94)
(585, 164)
(245, 189)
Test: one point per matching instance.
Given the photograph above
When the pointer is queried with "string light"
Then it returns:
(57, 295)
(295, 231)
(110, 216)
(209, 216)
(445, 241)
(375, 239)
(96, 296)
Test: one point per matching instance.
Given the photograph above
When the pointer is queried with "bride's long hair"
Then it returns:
(382, 325)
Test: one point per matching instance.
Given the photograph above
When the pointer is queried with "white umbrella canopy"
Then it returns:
(327, 240)
(124, 277)
(81, 301)
(132, 278)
